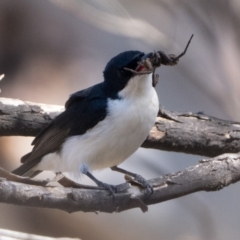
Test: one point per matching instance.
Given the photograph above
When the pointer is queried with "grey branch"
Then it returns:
(209, 175)
(196, 134)
(180, 132)
(20, 118)
(188, 133)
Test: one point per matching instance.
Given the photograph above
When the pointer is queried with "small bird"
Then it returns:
(102, 125)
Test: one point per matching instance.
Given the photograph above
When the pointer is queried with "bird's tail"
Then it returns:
(26, 168)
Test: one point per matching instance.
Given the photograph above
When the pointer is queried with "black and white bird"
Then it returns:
(102, 125)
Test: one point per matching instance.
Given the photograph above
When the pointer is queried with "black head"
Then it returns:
(114, 73)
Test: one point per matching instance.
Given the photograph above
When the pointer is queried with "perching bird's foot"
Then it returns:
(111, 188)
(139, 180)
(135, 178)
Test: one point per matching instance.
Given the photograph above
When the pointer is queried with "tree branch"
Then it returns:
(208, 175)
(196, 134)
(188, 133)
(20, 118)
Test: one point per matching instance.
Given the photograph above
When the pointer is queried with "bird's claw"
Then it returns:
(138, 179)
(144, 183)
(111, 188)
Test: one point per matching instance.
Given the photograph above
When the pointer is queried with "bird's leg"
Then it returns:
(137, 178)
(111, 188)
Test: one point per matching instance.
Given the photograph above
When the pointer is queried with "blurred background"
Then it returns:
(52, 48)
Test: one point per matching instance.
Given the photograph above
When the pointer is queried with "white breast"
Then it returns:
(115, 138)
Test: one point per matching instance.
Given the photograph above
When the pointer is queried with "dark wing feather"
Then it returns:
(86, 94)
(84, 110)
(89, 93)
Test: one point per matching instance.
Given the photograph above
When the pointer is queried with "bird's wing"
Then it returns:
(84, 110)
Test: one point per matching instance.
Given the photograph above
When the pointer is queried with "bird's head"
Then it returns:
(118, 72)
(126, 65)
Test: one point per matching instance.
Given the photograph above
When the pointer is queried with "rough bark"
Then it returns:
(196, 134)
(188, 133)
(208, 175)
(20, 118)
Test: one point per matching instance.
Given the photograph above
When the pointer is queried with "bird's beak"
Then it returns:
(145, 65)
